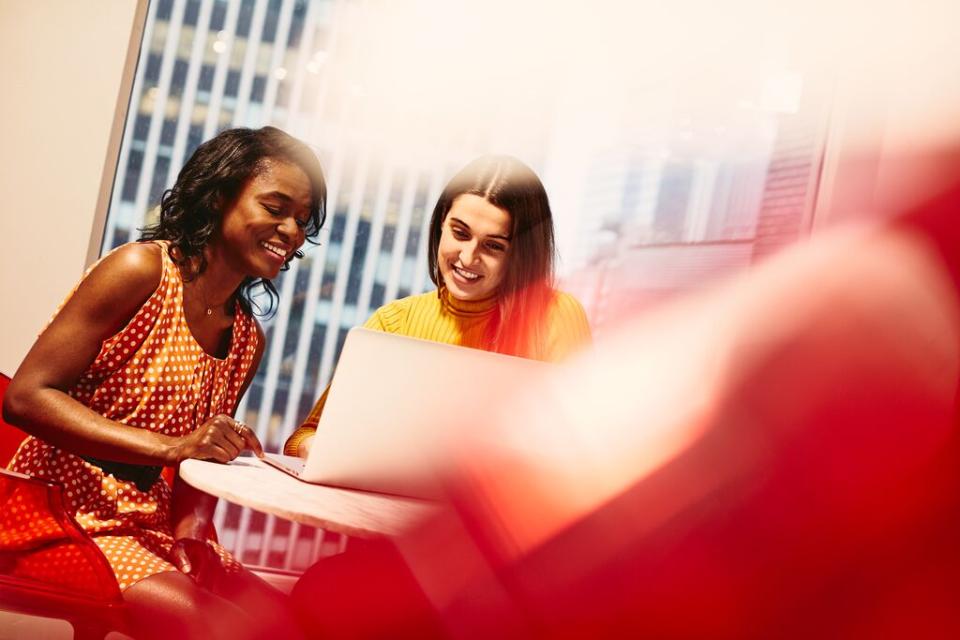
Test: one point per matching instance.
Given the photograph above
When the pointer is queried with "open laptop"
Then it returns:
(396, 405)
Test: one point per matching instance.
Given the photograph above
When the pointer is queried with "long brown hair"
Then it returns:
(526, 290)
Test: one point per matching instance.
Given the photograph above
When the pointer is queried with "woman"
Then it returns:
(491, 256)
(143, 366)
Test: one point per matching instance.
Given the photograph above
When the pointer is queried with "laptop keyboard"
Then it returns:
(290, 463)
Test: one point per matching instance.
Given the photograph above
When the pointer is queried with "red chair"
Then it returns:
(49, 567)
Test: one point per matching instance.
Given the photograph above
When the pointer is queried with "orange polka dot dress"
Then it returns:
(153, 375)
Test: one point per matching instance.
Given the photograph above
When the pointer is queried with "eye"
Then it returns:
(272, 210)
(496, 247)
(303, 223)
(460, 234)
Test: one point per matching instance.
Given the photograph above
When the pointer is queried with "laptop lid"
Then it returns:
(396, 405)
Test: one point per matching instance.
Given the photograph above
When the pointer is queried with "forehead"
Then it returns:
(286, 178)
(482, 217)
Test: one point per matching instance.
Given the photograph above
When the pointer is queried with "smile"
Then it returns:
(280, 252)
(466, 275)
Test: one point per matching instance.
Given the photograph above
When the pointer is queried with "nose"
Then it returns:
(468, 253)
(290, 230)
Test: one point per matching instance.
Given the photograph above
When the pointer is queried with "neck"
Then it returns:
(466, 308)
(214, 290)
(219, 281)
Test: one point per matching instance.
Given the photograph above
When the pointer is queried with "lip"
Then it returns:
(460, 279)
(272, 254)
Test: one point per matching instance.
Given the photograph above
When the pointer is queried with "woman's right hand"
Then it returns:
(221, 438)
(304, 447)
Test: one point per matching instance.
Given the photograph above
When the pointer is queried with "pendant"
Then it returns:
(209, 311)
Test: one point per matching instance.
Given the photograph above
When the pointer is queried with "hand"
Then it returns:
(304, 447)
(197, 559)
(221, 438)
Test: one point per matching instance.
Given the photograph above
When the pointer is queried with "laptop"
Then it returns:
(396, 407)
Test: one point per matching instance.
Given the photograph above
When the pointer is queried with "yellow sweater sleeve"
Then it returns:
(567, 328)
(309, 426)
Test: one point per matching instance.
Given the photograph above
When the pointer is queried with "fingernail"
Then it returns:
(187, 568)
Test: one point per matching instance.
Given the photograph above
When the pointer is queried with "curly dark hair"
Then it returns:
(210, 182)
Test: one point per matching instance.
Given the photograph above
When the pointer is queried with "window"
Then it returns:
(651, 195)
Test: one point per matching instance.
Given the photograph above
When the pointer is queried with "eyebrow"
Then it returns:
(464, 224)
(276, 194)
(280, 195)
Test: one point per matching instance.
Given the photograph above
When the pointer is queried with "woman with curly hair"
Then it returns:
(143, 366)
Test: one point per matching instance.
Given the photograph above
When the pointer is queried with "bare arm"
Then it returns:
(37, 399)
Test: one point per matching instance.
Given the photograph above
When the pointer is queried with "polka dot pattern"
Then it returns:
(152, 375)
(39, 543)
(134, 558)
(25, 518)
(68, 565)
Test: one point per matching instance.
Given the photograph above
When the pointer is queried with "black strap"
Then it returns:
(143, 476)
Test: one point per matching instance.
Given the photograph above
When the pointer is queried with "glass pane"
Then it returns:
(659, 182)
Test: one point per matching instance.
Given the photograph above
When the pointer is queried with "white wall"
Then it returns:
(65, 73)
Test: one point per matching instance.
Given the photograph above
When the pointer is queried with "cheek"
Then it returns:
(498, 267)
(444, 250)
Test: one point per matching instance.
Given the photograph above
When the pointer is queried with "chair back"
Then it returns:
(10, 436)
(49, 566)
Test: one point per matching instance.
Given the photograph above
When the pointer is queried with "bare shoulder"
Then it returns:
(140, 263)
(122, 281)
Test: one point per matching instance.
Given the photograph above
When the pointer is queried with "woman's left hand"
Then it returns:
(198, 559)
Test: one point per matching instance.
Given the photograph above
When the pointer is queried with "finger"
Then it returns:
(215, 448)
(233, 443)
(304, 449)
(224, 453)
(250, 439)
(233, 432)
(180, 559)
(224, 437)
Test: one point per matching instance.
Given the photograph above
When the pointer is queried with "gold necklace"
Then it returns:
(203, 294)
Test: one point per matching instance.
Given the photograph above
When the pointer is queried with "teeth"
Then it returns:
(276, 250)
(466, 274)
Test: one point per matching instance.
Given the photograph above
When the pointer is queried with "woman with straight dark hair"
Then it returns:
(491, 256)
(143, 366)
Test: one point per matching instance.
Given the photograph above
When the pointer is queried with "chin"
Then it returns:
(468, 297)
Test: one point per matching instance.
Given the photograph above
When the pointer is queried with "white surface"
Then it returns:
(252, 483)
(399, 439)
(65, 77)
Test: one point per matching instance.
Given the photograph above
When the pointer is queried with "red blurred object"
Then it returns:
(49, 567)
(10, 436)
(820, 498)
(366, 592)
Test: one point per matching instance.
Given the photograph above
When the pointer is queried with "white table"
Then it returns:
(252, 483)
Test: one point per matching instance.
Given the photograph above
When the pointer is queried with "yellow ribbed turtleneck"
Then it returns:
(440, 317)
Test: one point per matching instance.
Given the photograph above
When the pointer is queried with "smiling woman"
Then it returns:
(226, 184)
(474, 245)
(143, 366)
(491, 255)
